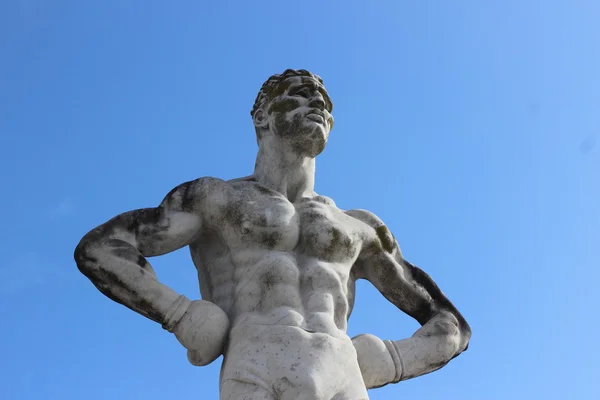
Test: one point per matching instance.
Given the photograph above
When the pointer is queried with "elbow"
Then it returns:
(455, 333)
(459, 339)
(84, 257)
(86, 253)
(100, 258)
(464, 333)
(465, 337)
(461, 331)
(89, 256)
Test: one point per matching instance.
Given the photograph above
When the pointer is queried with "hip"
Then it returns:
(288, 359)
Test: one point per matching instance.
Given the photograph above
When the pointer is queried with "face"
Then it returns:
(301, 115)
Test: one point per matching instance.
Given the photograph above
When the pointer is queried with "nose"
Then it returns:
(317, 101)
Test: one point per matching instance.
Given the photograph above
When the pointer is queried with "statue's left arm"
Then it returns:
(444, 333)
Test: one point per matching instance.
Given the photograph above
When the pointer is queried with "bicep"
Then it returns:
(165, 230)
(155, 231)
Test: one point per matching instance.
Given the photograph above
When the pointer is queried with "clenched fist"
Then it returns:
(202, 330)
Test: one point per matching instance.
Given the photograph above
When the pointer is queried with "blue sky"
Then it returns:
(471, 128)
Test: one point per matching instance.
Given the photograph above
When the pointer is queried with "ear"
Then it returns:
(260, 118)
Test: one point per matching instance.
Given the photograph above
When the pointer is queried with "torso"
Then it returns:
(281, 271)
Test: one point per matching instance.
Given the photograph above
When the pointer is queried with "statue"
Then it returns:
(277, 265)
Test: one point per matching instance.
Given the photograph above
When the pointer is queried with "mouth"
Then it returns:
(316, 116)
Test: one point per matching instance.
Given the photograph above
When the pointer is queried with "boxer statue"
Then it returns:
(277, 265)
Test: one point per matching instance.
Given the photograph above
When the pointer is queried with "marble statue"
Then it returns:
(277, 265)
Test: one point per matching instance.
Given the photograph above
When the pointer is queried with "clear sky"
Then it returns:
(470, 127)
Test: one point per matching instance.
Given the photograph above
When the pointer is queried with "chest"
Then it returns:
(263, 219)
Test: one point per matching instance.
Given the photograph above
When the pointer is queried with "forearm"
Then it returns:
(120, 271)
(429, 349)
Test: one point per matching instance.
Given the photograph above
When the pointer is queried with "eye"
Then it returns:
(302, 93)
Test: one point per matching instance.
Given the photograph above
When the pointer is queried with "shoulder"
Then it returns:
(188, 195)
(365, 216)
(325, 200)
(381, 236)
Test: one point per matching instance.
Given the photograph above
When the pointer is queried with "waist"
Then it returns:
(280, 345)
(301, 363)
(284, 321)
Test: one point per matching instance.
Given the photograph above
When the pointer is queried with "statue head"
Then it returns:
(294, 107)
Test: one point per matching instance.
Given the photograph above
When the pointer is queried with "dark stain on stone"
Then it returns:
(124, 251)
(263, 190)
(134, 221)
(187, 201)
(268, 280)
(283, 106)
(232, 214)
(283, 86)
(146, 308)
(110, 284)
(142, 262)
(314, 224)
(440, 300)
(385, 238)
(82, 255)
(271, 238)
(171, 193)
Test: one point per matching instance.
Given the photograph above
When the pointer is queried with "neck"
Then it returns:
(281, 169)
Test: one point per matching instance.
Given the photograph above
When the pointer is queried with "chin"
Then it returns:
(313, 143)
(319, 138)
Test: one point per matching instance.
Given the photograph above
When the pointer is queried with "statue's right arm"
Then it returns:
(113, 255)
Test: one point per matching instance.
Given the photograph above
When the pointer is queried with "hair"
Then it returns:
(269, 89)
